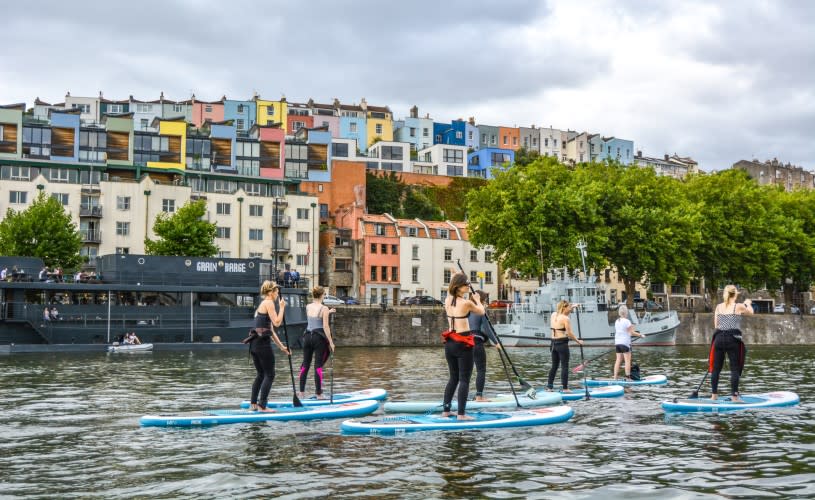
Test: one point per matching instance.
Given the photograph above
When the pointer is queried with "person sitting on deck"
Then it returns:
(134, 339)
(46, 314)
(43, 274)
(3, 274)
(54, 314)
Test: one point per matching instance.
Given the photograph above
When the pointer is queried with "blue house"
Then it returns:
(449, 133)
(242, 113)
(480, 163)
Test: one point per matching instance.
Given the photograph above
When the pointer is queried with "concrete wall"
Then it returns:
(422, 326)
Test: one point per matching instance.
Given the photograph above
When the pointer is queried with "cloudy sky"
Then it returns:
(718, 81)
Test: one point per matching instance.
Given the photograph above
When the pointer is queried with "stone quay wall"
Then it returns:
(361, 326)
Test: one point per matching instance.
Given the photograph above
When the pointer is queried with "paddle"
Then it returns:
(524, 384)
(695, 393)
(295, 400)
(331, 355)
(580, 336)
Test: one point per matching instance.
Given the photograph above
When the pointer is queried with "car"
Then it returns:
(500, 304)
(812, 310)
(405, 301)
(350, 301)
(779, 308)
(330, 300)
(424, 300)
(649, 305)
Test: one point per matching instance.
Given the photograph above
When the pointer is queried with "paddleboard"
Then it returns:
(218, 417)
(345, 397)
(765, 400)
(606, 391)
(399, 424)
(649, 380)
(499, 401)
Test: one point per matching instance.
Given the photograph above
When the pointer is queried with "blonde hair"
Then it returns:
(562, 306)
(623, 311)
(729, 294)
(317, 292)
(268, 286)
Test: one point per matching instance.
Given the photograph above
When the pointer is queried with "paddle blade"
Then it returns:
(578, 368)
(531, 393)
(296, 401)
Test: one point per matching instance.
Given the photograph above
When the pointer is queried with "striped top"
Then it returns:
(729, 321)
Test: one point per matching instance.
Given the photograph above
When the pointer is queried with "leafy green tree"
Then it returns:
(384, 193)
(183, 233)
(525, 156)
(450, 198)
(43, 230)
(741, 230)
(797, 241)
(418, 205)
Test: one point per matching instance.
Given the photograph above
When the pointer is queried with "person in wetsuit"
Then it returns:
(267, 317)
(727, 341)
(482, 331)
(561, 328)
(458, 343)
(316, 341)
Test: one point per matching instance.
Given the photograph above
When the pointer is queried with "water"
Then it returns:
(69, 428)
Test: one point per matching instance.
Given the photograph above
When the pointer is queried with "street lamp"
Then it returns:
(313, 245)
(275, 211)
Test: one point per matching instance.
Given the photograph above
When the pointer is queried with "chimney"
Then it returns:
(471, 120)
(68, 94)
(363, 104)
(336, 103)
(255, 95)
(100, 94)
(161, 97)
(666, 156)
(310, 102)
(414, 112)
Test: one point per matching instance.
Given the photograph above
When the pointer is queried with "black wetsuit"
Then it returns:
(459, 358)
(560, 356)
(727, 341)
(263, 357)
(481, 332)
(315, 343)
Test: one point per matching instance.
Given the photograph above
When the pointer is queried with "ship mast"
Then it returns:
(581, 245)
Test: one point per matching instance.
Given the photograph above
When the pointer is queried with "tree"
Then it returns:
(797, 241)
(184, 233)
(525, 156)
(384, 193)
(449, 199)
(418, 205)
(43, 230)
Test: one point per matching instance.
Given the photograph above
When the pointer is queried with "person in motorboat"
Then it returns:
(458, 347)
(561, 327)
(727, 341)
(134, 339)
(317, 341)
(482, 331)
(623, 330)
(268, 316)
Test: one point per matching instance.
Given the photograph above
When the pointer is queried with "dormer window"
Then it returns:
(444, 234)
(379, 229)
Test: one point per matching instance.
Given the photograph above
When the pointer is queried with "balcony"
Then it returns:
(90, 211)
(280, 202)
(281, 245)
(281, 221)
(91, 189)
(90, 235)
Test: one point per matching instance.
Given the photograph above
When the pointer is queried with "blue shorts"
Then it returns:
(621, 348)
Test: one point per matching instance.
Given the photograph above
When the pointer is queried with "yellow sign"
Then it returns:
(481, 274)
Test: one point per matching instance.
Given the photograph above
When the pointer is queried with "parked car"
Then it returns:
(812, 310)
(350, 301)
(649, 305)
(330, 300)
(500, 304)
(795, 310)
(779, 308)
(424, 300)
(405, 300)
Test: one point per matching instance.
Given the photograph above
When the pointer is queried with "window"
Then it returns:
(493, 140)
(379, 229)
(447, 274)
(455, 170)
(373, 273)
(122, 228)
(60, 197)
(342, 265)
(473, 276)
(178, 108)
(546, 142)
(223, 208)
(473, 255)
(270, 111)
(448, 254)
(144, 108)
(384, 273)
(339, 150)
(383, 249)
(145, 123)
(302, 260)
(414, 275)
(208, 108)
(373, 296)
(444, 234)
(488, 276)
(224, 254)
(394, 273)
(59, 175)
(255, 255)
(413, 131)
(122, 250)
(241, 124)
(484, 139)
(378, 129)
(222, 232)
(352, 127)
(459, 135)
(453, 155)
(470, 135)
(412, 232)
(415, 252)
(241, 108)
(115, 108)
(373, 247)
(425, 132)
(123, 202)
(392, 153)
(256, 234)
(394, 249)
(487, 256)
(83, 108)
(255, 210)
(168, 206)
(302, 237)
(514, 141)
(302, 213)
(17, 196)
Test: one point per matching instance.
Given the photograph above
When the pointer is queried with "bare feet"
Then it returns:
(320, 396)
(445, 414)
(464, 417)
(301, 395)
(253, 407)
(267, 410)
(566, 391)
(736, 398)
(480, 398)
(714, 397)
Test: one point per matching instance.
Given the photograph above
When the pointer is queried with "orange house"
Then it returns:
(379, 264)
(509, 138)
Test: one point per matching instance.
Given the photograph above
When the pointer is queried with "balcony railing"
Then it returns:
(281, 245)
(90, 235)
(281, 221)
(90, 211)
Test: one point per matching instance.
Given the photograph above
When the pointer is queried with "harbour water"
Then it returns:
(69, 428)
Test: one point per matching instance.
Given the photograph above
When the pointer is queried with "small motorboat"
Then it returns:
(130, 348)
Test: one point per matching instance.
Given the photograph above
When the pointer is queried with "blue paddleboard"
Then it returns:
(649, 380)
(345, 397)
(606, 391)
(218, 417)
(766, 400)
(399, 424)
(504, 401)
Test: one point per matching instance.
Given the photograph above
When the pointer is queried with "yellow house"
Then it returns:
(173, 144)
(270, 112)
(380, 123)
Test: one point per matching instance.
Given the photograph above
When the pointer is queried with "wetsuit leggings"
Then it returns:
(560, 356)
(480, 361)
(314, 344)
(263, 359)
(727, 345)
(460, 364)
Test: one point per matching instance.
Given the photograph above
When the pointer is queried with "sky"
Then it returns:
(717, 81)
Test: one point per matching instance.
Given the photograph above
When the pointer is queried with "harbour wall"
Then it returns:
(422, 326)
